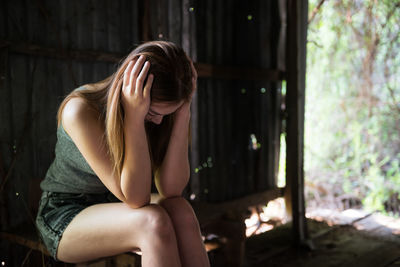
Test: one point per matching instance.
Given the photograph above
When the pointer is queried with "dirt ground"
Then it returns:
(351, 238)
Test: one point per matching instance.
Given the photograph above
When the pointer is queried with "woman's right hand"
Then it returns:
(135, 98)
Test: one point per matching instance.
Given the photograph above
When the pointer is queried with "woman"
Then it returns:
(112, 137)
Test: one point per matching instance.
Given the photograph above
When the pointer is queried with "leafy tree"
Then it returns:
(352, 138)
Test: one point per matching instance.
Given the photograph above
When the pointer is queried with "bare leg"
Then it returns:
(109, 229)
(190, 244)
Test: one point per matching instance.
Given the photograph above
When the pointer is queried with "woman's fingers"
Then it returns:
(194, 79)
(127, 73)
(136, 70)
(140, 79)
(194, 71)
(135, 74)
(147, 87)
(136, 98)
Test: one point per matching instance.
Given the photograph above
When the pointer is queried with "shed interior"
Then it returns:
(250, 57)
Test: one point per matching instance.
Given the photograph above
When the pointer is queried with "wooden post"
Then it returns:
(145, 20)
(4, 214)
(295, 71)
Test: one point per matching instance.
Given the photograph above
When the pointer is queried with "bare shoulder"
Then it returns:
(77, 114)
(82, 124)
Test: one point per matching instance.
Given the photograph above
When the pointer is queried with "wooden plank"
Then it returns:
(208, 212)
(126, 260)
(238, 73)
(144, 25)
(295, 63)
(38, 50)
(204, 70)
(24, 241)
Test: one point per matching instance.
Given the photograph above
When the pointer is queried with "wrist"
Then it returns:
(134, 112)
(133, 119)
(182, 117)
(184, 111)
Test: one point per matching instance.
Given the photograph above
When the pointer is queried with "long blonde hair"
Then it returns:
(172, 83)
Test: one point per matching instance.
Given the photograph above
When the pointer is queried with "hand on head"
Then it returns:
(194, 79)
(136, 94)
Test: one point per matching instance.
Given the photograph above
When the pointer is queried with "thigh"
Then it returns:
(56, 210)
(104, 230)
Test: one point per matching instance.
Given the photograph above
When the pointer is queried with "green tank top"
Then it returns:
(70, 172)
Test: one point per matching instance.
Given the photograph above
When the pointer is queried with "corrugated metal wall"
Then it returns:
(236, 123)
(34, 85)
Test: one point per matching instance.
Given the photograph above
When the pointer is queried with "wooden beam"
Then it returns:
(145, 20)
(204, 70)
(24, 241)
(295, 69)
(209, 212)
(125, 259)
(238, 73)
(59, 53)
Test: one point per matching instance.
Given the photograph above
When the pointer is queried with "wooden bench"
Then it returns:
(223, 220)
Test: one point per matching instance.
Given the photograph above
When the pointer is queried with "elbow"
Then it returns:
(136, 199)
(136, 193)
(172, 190)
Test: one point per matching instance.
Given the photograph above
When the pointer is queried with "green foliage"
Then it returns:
(352, 133)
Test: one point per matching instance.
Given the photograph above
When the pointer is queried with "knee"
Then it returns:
(158, 224)
(180, 212)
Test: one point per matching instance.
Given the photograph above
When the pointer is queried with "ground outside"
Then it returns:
(351, 238)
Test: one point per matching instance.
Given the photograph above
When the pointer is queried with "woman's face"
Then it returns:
(158, 110)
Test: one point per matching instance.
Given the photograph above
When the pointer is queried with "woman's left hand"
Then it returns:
(194, 80)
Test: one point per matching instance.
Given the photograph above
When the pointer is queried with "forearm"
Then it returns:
(136, 169)
(174, 172)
